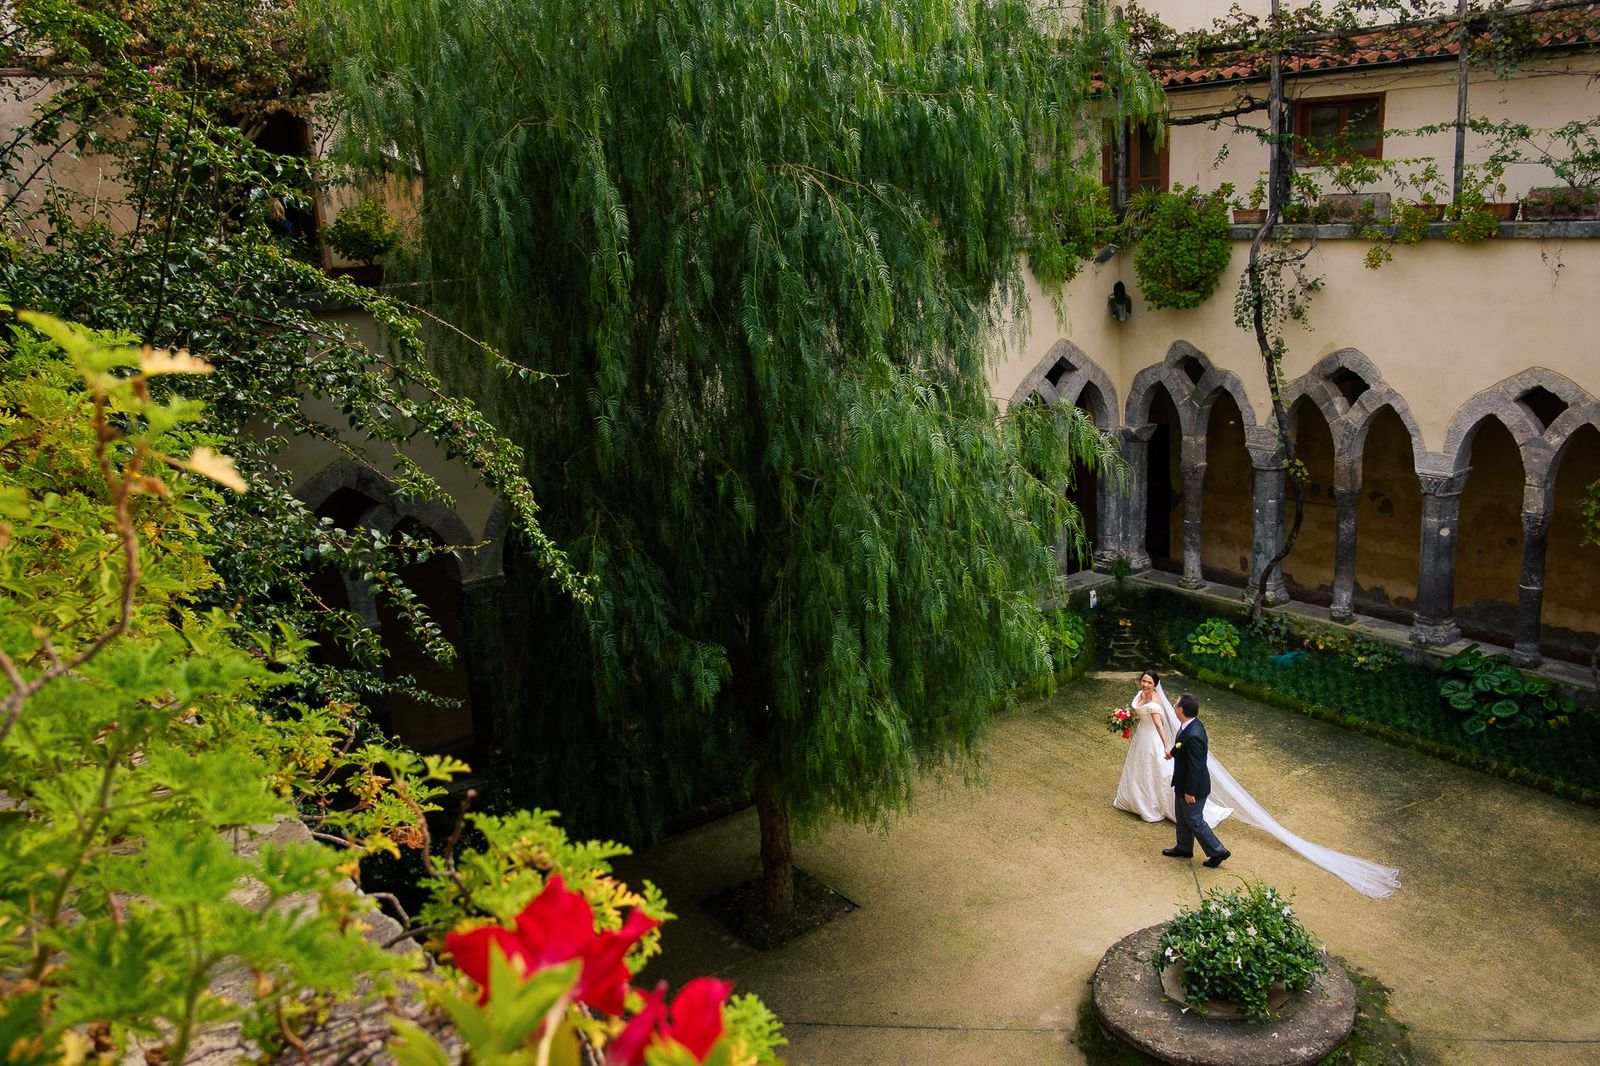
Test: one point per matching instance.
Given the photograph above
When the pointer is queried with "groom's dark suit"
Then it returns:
(1191, 777)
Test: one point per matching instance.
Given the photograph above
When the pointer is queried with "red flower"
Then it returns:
(694, 1021)
(556, 927)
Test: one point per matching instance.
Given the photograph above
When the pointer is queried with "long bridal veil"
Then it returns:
(1365, 877)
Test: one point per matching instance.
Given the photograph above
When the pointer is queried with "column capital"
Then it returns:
(1443, 486)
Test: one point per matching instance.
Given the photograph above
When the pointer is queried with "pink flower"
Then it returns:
(556, 927)
(694, 1022)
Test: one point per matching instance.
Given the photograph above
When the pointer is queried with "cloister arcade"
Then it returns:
(1481, 538)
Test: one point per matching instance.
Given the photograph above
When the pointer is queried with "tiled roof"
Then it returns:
(1565, 27)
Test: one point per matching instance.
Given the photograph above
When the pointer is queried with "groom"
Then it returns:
(1191, 780)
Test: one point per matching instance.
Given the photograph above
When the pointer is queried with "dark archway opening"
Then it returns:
(1489, 553)
(1308, 571)
(1229, 527)
(1163, 485)
(1572, 568)
(1388, 522)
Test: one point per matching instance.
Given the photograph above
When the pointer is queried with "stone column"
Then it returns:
(1344, 554)
(482, 654)
(1136, 451)
(1435, 618)
(1530, 595)
(1194, 486)
(1267, 521)
(1109, 509)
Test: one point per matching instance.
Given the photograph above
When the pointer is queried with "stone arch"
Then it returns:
(1349, 390)
(389, 511)
(1540, 441)
(1183, 371)
(1063, 374)
(1066, 374)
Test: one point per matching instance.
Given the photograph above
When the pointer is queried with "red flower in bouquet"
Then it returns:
(556, 927)
(1122, 721)
(694, 1021)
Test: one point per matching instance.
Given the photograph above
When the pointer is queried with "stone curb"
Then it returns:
(1130, 1003)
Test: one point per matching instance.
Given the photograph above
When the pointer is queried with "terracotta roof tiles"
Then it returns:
(1576, 26)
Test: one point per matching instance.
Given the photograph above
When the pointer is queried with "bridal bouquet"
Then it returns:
(1121, 721)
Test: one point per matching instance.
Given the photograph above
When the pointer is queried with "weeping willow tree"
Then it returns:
(766, 248)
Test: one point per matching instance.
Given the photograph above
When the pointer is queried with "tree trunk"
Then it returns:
(777, 848)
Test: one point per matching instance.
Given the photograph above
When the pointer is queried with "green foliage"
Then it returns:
(1215, 636)
(175, 248)
(1066, 635)
(765, 248)
(1236, 945)
(1326, 640)
(1372, 656)
(137, 767)
(1184, 244)
(131, 747)
(364, 232)
(1272, 628)
(1071, 221)
(1490, 691)
(1402, 704)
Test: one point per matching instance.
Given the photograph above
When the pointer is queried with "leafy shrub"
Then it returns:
(1272, 628)
(1373, 656)
(135, 761)
(364, 232)
(1185, 244)
(1066, 634)
(1236, 945)
(1070, 223)
(1216, 637)
(1401, 700)
(1326, 641)
(1492, 692)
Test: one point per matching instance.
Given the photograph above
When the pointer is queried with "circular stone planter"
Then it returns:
(1131, 1004)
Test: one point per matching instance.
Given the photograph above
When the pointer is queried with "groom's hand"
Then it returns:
(1188, 798)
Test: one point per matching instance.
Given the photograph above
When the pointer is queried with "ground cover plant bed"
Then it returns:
(739, 909)
(1399, 701)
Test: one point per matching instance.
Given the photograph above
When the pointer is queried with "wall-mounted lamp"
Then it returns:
(1120, 302)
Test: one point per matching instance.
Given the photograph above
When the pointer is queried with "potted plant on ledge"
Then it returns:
(363, 233)
(1352, 205)
(1256, 212)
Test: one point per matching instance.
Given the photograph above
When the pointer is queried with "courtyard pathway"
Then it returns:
(984, 912)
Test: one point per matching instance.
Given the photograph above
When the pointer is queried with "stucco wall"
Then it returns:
(1441, 323)
(1549, 93)
(307, 456)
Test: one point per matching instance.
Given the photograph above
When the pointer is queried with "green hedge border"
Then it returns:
(1390, 735)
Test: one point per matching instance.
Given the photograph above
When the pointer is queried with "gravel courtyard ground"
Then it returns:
(984, 912)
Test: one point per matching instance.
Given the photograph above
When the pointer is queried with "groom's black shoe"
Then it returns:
(1176, 854)
(1218, 859)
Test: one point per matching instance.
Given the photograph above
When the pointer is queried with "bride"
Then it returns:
(1146, 790)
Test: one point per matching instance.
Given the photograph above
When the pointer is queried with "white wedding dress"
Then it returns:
(1146, 785)
(1146, 790)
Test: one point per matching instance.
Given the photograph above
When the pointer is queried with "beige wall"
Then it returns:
(86, 174)
(1551, 93)
(305, 456)
(1442, 322)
